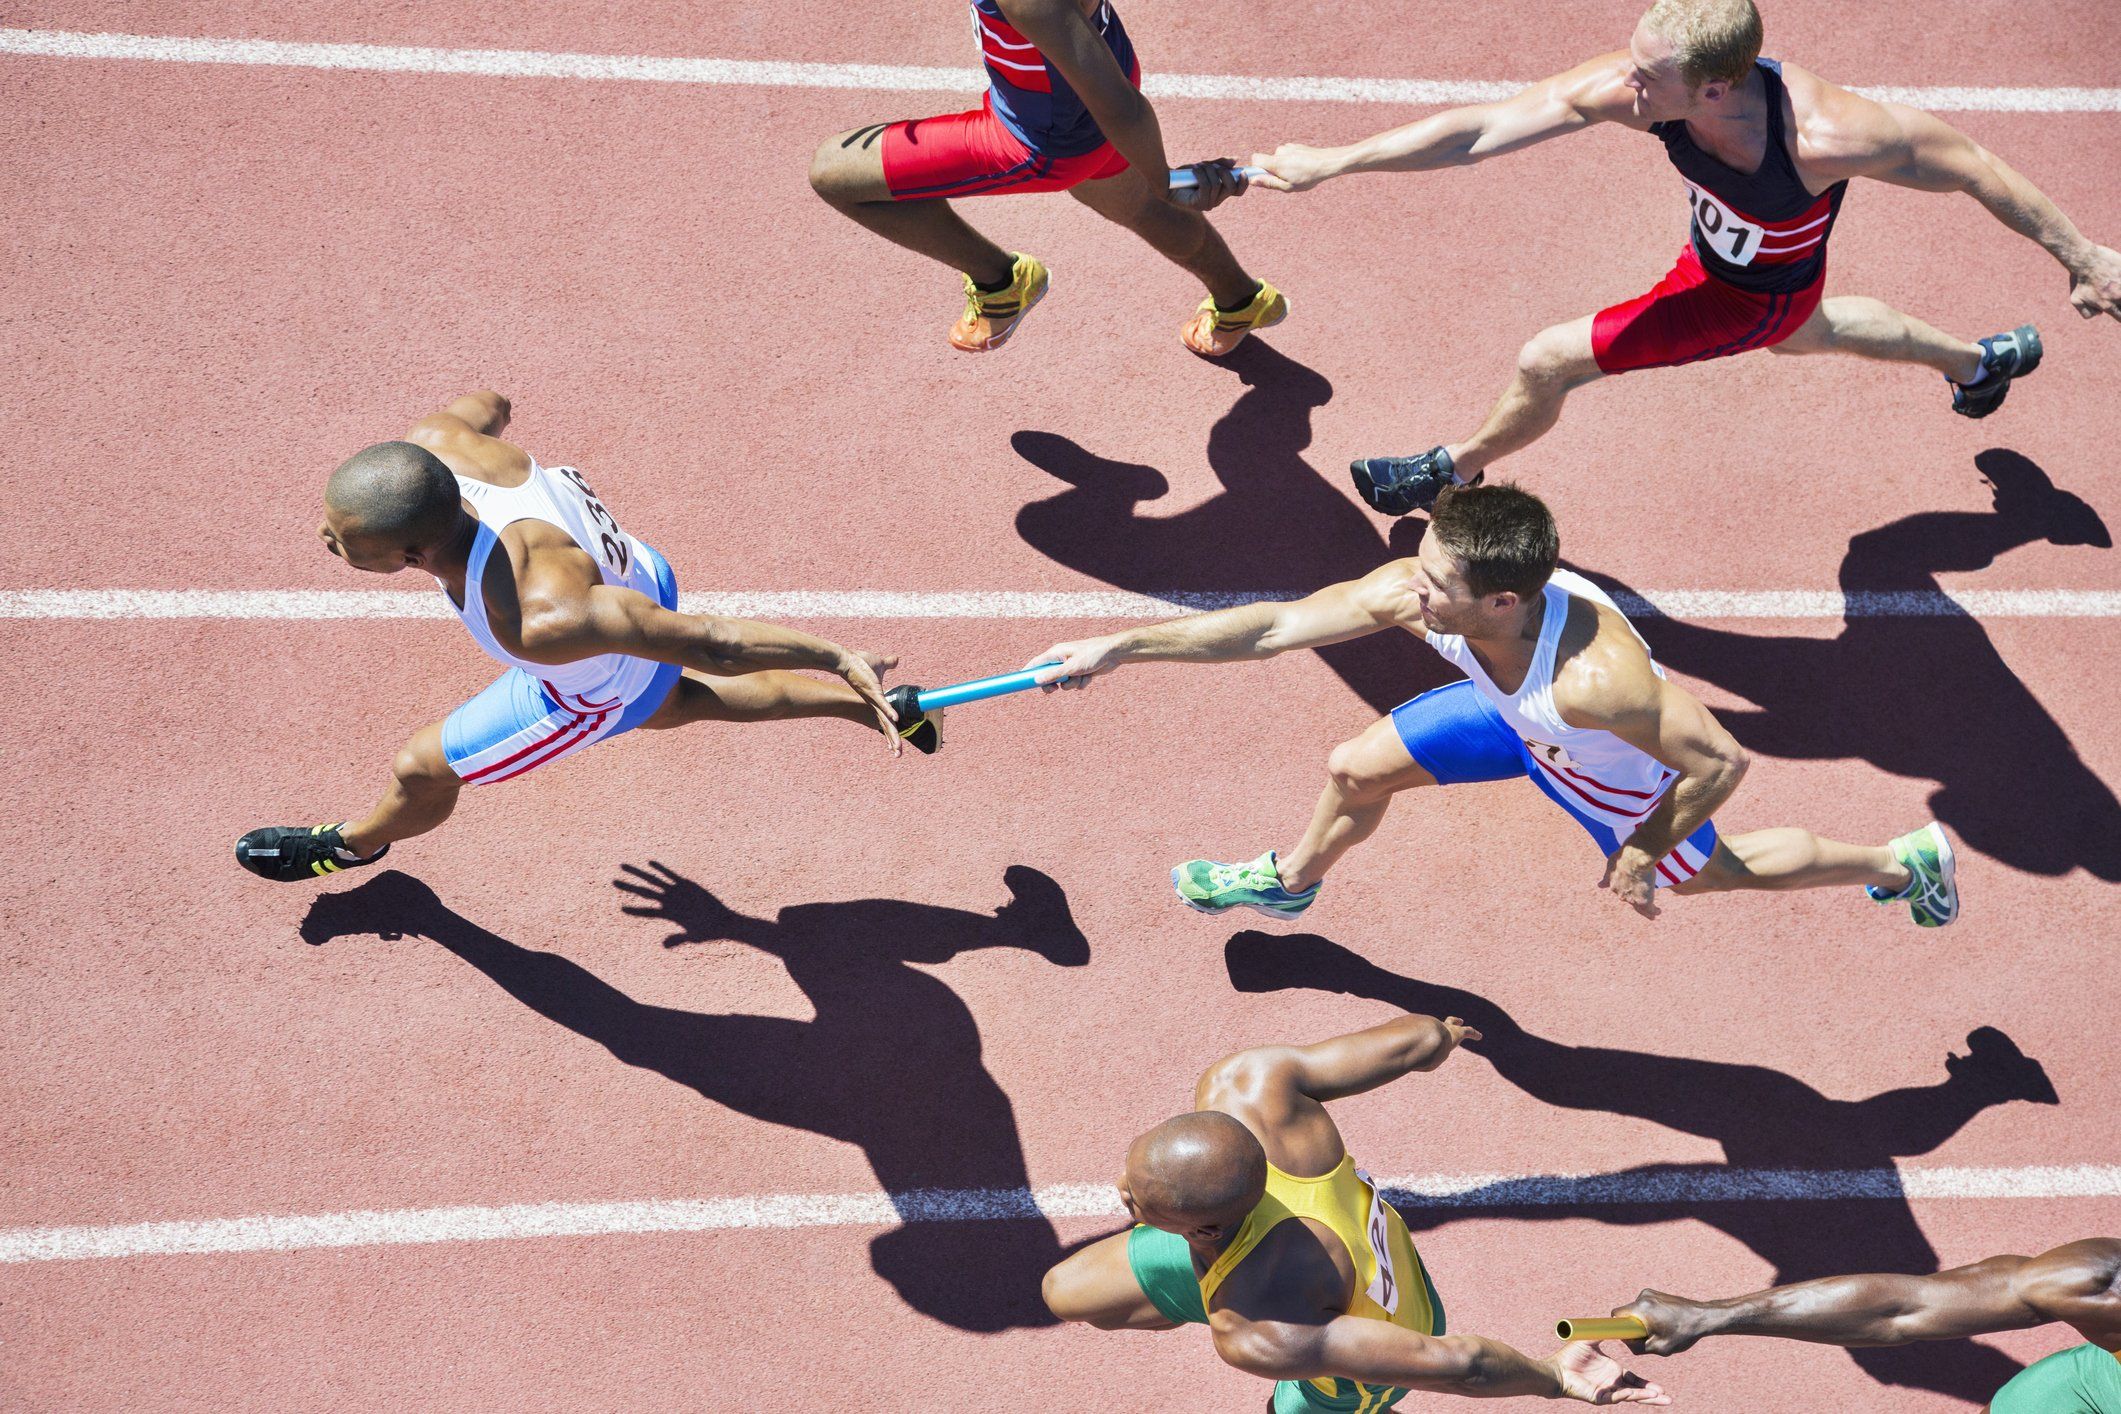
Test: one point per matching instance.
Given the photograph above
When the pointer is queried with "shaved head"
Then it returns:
(1197, 1170)
(393, 493)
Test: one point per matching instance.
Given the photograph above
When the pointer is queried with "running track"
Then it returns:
(224, 277)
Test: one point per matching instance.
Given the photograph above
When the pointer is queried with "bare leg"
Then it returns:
(1868, 328)
(1551, 365)
(422, 793)
(1793, 859)
(759, 697)
(1097, 1287)
(1363, 774)
(848, 171)
(1181, 236)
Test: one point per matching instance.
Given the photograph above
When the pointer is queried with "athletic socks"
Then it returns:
(1242, 304)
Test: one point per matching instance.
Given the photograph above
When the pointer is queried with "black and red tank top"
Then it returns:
(1761, 231)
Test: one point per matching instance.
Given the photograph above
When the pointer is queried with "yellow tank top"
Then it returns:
(1390, 1284)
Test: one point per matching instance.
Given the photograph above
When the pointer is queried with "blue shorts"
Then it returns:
(515, 725)
(1457, 736)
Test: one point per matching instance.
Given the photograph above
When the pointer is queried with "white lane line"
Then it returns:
(645, 68)
(391, 1227)
(315, 604)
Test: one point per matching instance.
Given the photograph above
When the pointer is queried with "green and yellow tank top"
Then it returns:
(1390, 1282)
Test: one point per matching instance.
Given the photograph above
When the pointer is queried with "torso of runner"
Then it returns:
(1390, 1281)
(558, 496)
(1762, 231)
(1029, 96)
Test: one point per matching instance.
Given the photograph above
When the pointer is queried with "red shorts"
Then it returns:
(1691, 315)
(972, 154)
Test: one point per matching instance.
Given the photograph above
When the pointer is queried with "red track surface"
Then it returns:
(224, 279)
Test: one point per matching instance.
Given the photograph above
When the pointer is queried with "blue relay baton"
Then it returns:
(931, 699)
(1185, 179)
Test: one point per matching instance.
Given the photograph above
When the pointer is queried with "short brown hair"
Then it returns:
(1713, 39)
(1502, 538)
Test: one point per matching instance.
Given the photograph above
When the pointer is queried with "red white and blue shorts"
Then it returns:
(973, 154)
(1690, 315)
(518, 724)
(1456, 735)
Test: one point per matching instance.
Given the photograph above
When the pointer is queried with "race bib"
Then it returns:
(1723, 231)
(612, 545)
(1384, 1287)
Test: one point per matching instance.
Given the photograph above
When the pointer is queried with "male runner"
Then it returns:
(1766, 150)
(581, 615)
(2078, 1283)
(1253, 1221)
(1063, 112)
(1560, 688)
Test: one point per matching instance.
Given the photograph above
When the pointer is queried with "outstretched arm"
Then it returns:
(1380, 599)
(1377, 1352)
(1998, 1294)
(1596, 92)
(1853, 136)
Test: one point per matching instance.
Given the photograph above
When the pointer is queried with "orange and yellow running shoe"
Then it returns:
(989, 319)
(1213, 332)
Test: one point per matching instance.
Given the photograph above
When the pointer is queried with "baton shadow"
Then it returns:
(1927, 697)
(891, 1063)
(1276, 525)
(1763, 1119)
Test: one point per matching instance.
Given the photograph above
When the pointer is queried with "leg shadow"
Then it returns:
(1762, 1119)
(891, 1063)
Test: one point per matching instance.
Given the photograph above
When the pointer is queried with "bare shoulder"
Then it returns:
(469, 452)
(1388, 593)
(2078, 1282)
(1601, 669)
(1838, 131)
(1255, 1087)
(1299, 1276)
(1598, 89)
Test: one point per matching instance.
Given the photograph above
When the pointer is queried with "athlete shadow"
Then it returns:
(891, 1062)
(1275, 526)
(1928, 696)
(1764, 1119)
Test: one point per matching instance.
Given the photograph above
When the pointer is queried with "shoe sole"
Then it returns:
(1213, 911)
(1948, 871)
(1254, 329)
(1007, 334)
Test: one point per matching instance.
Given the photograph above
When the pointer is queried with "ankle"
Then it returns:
(1296, 878)
(997, 283)
(1232, 306)
(1464, 466)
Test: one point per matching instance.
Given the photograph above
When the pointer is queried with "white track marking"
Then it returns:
(316, 604)
(645, 68)
(375, 1228)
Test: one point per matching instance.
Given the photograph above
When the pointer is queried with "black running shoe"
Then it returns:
(290, 854)
(1397, 485)
(923, 731)
(2003, 357)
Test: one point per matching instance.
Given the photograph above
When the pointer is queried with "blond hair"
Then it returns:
(1712, 39)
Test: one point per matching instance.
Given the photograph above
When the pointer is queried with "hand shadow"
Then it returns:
(1762, 1118)
(1276, 527)
(891, 1062)
(1927, 697)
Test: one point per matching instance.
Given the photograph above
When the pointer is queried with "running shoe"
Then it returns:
(1932, 895)
(2003, 357)
(1213, 332)
(923, 731)
(289, 853)
(989, 319)
(1207, 887)
(1397, 485)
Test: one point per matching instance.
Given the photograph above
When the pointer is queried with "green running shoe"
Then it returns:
(1932, 896)
(1207, 887)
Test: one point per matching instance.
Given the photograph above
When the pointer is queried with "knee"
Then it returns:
(422, 769)
(1553, 356)
(1350, 774)
(824, 171)
(1063, 1295)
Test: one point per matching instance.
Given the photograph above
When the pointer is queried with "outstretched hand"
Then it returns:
(1674, 1323)
(861, 671)
(1073, 664)
(1292, 167)
(1214, 182)
(1629, 874)
(1457, 1033)
(2095, 287)
(1588, 1374)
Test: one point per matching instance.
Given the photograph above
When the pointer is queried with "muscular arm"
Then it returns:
(1848, 135)
(1377, 1352)
(1066, 37)
(604, 618)
(2076, 1283)
(1595, 92)
(466, 435)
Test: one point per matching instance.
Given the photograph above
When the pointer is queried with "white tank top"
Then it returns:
(1597, 771)
(559, 496)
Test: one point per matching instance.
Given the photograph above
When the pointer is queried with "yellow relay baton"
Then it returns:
(1601, 1328)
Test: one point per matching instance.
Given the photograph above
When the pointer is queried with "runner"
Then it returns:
(2078, 1284)
(1252, 1220)
(1063, 112)
(580, 614)
(1560, 688)
(1766, 150)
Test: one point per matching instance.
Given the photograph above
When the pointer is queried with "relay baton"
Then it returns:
(1602, 1328)
(980, 689)
(1185, 179)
